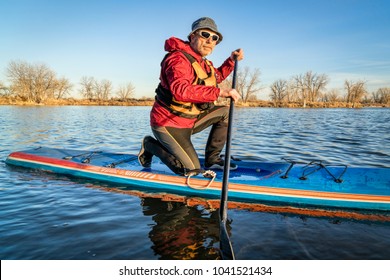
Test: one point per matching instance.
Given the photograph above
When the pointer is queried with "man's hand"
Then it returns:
(230, 93)
(238, 54)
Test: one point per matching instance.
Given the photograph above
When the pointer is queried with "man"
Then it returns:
(185, 102)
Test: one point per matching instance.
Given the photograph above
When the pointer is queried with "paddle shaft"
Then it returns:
(225, 244)
(226, 170)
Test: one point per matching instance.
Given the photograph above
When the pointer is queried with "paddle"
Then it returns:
(224, 243)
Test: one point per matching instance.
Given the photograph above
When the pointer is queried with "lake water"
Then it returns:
(48, 216)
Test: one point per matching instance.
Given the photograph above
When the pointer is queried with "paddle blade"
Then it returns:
(224, 243)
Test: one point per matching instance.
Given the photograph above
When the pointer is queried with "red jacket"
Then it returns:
(177, 75)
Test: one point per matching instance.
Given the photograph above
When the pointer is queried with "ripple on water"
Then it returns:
(45, 216)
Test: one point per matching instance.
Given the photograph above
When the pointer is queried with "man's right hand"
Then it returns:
(230, 93)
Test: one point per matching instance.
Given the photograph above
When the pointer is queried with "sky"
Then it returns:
(123, 40)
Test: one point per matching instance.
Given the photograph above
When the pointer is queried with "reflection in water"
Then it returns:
(181, 232)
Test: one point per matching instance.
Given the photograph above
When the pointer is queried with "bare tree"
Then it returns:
(33, 82)
(331, 96)
(310, 86)
(19, 74)
(126, 91)
(355, 91)
(106, 86)
(63, 88)
(102, 90)
(279, 91)
(381, 96)
(4, 91)
(247, 83)
(299, 87)
(385, 95)
(293, 92)
(44, 82)
(319, 84)
(87, 87)
(98, 90)
(93, 89)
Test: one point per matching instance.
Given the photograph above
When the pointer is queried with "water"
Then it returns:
(47, 216)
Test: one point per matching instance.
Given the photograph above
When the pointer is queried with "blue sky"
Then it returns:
(123, 40)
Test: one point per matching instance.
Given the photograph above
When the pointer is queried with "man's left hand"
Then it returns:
(238, 54)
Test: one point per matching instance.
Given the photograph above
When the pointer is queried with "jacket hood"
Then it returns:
(176, 44)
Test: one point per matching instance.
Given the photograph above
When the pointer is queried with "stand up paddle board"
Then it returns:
(312, 184)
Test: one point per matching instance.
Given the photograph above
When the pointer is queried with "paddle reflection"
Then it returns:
(182, 232)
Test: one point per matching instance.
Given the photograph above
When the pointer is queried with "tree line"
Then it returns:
(306, 88)
(38, 83)
(311, 87)
(34, 83)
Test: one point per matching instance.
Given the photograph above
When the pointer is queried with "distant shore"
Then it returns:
(4, 100)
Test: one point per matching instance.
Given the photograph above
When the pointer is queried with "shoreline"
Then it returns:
(149, 102)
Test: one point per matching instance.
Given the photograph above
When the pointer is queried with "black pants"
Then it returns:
(174, 146)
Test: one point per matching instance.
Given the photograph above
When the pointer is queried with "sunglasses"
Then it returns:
(206, 35)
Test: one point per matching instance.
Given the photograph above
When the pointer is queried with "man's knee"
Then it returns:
(222, 112)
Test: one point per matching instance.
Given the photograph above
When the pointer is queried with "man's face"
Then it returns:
(203, 41)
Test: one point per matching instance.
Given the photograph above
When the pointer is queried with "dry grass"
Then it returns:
(77, 102)
(7, 100)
